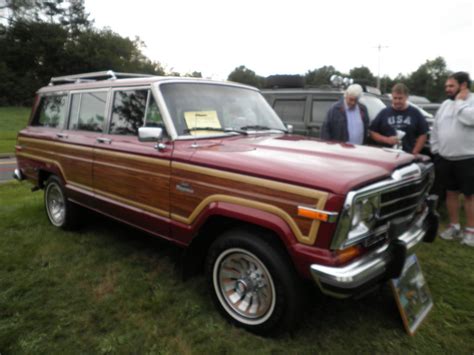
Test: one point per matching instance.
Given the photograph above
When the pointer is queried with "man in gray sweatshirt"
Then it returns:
(452, 143)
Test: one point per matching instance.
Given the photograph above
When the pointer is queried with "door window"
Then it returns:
(133, 109)
(290, 110)
(320, 110)
(88, 111)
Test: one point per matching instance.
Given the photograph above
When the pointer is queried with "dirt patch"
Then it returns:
(107, 284)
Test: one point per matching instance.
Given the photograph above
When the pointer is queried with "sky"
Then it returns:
(293, 36)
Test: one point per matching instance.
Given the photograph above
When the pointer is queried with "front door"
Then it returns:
(131, 178)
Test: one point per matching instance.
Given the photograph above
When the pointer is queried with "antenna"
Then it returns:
(379, 48)
(194, 145)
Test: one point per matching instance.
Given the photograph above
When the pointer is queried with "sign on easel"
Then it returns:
(412, 295)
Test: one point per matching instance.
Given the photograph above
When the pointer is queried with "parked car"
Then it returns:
(210, 167)
(431, 108)
(305, 108)
(425, 104)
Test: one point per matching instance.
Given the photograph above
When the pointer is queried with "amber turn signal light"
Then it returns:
(319, 215)
(348, 254)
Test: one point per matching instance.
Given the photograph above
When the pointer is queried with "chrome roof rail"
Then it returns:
(94, 76)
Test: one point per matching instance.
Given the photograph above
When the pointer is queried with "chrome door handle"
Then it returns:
(104, 140)
(61, 135)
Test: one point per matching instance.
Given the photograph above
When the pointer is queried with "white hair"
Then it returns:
(354, 90)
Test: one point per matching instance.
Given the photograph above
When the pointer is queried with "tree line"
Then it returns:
(428, 80)
(45, 38)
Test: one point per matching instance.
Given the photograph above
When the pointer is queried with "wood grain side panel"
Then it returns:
(74, 161)
(280, 199)
(139, 181)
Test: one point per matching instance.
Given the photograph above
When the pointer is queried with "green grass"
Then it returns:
(111, 289)
(12, 119)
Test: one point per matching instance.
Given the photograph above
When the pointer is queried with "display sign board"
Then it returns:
(198, 121)
(412, 295)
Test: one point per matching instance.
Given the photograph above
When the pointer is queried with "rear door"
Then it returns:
(75, 144)
(131, 178)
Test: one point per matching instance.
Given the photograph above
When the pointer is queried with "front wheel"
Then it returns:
(252, 282)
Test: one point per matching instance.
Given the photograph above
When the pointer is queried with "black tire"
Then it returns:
(60, 211)
(284, 81)
(260, 291)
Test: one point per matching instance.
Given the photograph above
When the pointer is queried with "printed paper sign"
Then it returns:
(201, 119)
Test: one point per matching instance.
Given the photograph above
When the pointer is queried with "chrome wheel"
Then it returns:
(55, 204)
(244, 286)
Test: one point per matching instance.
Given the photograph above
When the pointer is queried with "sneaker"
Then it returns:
(450, 233)
(468, 238)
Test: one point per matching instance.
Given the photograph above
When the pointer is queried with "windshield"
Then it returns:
(198, 108)
(374, 105)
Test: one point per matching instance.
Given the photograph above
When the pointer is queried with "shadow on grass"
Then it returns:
(321, 310)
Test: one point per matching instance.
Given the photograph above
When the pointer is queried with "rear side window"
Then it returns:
(52, 111)
(320, 110)
(88, 111)
(290, 110)
(133, 109)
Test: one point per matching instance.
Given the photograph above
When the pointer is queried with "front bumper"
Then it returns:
(380, 264)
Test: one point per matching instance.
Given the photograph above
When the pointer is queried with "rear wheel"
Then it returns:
(61, 212)
(252, 282)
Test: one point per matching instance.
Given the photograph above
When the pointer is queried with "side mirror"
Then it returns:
(289, 127)
(150, 134)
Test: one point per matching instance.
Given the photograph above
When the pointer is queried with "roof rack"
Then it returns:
(95, 76)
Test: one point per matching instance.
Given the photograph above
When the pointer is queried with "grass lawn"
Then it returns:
(111, 289)
(12, 119)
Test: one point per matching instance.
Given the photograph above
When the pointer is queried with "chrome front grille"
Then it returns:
(399, 200)
(403, 201)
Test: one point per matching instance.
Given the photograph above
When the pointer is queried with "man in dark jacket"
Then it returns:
(347, 120)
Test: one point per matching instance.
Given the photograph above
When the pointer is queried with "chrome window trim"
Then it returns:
(405, 176)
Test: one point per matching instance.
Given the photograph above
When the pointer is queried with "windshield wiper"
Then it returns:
(225, 130)
(260, 128)
(204, 129)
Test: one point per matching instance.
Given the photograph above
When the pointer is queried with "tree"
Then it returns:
(34, 51)
(246, 76)
(320, 76)
(69, 13)
(429, 79)
(362, 75)
(194, 74)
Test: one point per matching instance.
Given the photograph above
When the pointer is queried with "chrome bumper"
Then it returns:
(381, 264)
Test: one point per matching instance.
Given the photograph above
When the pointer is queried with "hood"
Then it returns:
(329, 166)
